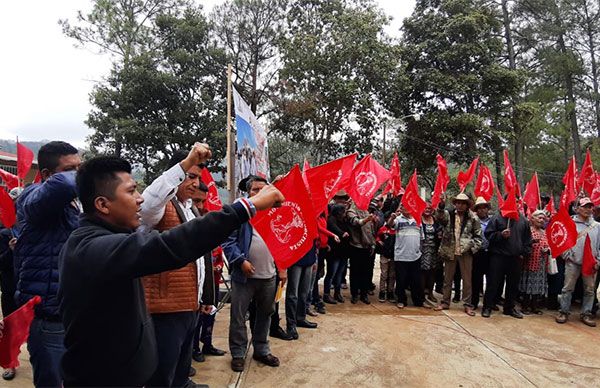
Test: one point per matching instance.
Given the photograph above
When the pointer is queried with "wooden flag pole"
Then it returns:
(230, 154)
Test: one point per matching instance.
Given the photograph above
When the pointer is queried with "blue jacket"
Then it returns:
(47, 216)
(236, 249)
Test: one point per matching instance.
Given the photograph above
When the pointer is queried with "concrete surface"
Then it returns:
(379, 345)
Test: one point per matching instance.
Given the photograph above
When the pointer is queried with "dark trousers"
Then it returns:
(174, 337)
(408, 274)
(481, 264)
(335, 270)
(555, 285)
(46, 348)
(316, 297)
(203, 331)
(298, 287)
(359, 271)
(501, 268)
(8, 288)
(371, 269)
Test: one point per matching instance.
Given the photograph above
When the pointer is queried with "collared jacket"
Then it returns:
(584, 228)
(518, 244)
(361, 235)
(470, 234)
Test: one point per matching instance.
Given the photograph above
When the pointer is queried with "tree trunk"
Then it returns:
(592, 47)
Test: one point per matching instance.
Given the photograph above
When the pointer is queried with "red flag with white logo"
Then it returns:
(550, 208)
(289, 231)
(500, 199)
(570, 180)
(395, 183)
(485, 183)
(213, 202)
(411, 199)
(10, 180)
(532, 194)
(588, 265)
(436, 198)
(305, 167)
(15, 333)
(443, 172)
(464, 178)
(24, 160)
(327, 179)
(587, 178)
(561, 232)
(367, 176)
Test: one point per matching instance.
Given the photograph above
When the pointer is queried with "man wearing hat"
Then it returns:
(460, 240)
(481, 259)
(586, 226)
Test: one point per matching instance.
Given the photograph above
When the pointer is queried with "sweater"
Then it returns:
(519, 242)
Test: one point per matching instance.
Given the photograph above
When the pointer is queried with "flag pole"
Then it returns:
(18, 177)
(537, 180)
(230, 156)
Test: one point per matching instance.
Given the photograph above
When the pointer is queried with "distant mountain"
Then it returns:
(11, 145)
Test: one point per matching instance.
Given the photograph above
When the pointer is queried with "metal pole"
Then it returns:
(230, 154)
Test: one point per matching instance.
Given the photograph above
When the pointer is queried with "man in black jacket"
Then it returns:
(509, 242)
(103, 307)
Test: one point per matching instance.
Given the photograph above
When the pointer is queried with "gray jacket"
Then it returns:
(590, 228)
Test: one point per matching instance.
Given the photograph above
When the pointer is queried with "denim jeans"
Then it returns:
(298, 288)
(46, 348)
(335, 271)
(262, 292)
(572, 272)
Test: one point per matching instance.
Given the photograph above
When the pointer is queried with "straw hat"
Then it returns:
(480, 201)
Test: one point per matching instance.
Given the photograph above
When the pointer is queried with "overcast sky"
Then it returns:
(45, 81)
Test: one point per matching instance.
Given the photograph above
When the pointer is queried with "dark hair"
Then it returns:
(98, 177)
(337, 210)
(202, 187)
(178, 157)
(50, 153)
(253, 179)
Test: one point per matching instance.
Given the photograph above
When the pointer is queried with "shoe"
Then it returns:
(454, 300)
(192, 372)
(441, 306)
(381, 297)
(321, 309)
(486, 312)
(344, 286)
(562, 318)
(9, 374)
(496, 308)
(354, 300)
(312, 312)
(527, 311)
(328, 299)
(371, 292)
(237, 364)
(281, 334)
(429, 304)
(400, 305)
(293, 333)
(392, 298)
(514, 313)
(587, 319)
(267, 359)
(469, 311)
(339, 297)
(198, 357)
(365, 299)
(432, 298)
(306, 324)
(212, 351)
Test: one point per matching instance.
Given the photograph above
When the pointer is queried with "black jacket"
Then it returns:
(109, 336)
(519, 242)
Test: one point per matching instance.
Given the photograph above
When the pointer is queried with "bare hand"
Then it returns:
(336, 239)
(267, 198)
(199, 153)
(506, 233)
(248, 268)
(206, 309)
(345, 235)
(12, 243)
(283, 277)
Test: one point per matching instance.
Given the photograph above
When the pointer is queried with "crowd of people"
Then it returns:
(128, 300)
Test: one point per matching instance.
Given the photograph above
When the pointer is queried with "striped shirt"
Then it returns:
(408, 239)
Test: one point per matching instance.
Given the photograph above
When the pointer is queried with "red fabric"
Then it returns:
(38, 178)
(485, 183)
(436, 198)
(464, 178)
(290, 230)
(500, 199)
(10, 180)
(327, 179)
(24, 160)
(305, 167)
(550, 206)
(561, 232)
(587, 178)
(570, 180)
(595, 196)
(510, 179)
(213, 202)
(367, 176)
(588, 265)
(412, 201)
(8, 215)
(532, 194)
(16, 331)
(509, 208)
(324, 233)
(395, 184)
(443, 172)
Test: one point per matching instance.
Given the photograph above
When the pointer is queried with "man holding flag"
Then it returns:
(581, 261)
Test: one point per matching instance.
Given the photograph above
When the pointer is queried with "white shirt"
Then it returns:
(156, 197)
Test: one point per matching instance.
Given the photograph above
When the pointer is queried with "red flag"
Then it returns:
(289, 231)
(588, 266)
(485, 183)
(570, 180)
(509, 207)
(532, 194)
(587, 178)
(10, 180)
(561, 232)
(8, 215)
(595, 196)
(327, 179)
(16, 331)
(38, 178)
(510, 179)
(550, 206)
(305, 167)
(213, 202)
(464, 178)
(436, 198)
(367, 176)
(395, 184)
(500, 199)
(411, 199)
(24, 160)
(443, 172)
